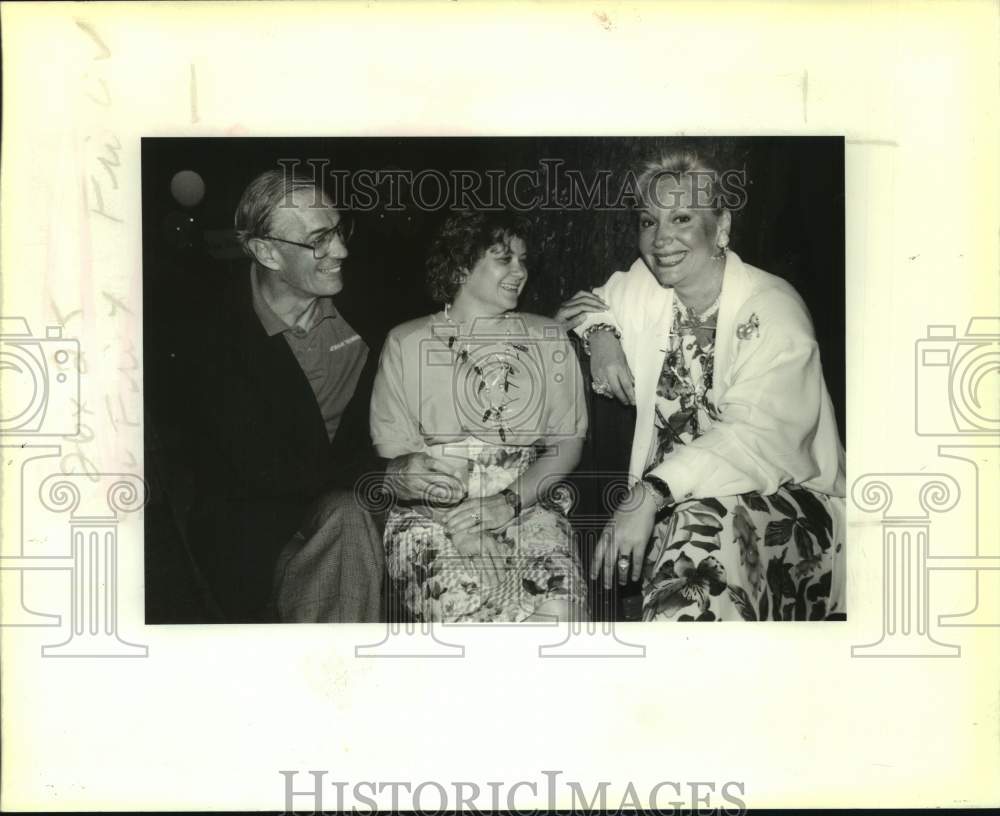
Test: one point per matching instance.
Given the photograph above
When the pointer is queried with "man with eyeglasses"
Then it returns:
(284, 382)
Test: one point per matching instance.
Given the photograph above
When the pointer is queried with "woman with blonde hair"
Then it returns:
(737, 506)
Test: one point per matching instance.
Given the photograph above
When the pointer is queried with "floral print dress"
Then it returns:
(745, 557)
(437, 583)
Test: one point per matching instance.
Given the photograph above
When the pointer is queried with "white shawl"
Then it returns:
(778, 424)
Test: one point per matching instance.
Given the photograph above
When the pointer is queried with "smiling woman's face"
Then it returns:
(494, 284)
(676, 238)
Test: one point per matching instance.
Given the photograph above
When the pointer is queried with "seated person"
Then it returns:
(737, 507)
(276, 401)
(480, 410)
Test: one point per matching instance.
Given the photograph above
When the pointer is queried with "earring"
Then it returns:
(721, 246)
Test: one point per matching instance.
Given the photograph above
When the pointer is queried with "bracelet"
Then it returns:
(513, 500)
(658, 489)
(585, 337)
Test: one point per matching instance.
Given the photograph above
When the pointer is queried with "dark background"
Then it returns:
(792, 225)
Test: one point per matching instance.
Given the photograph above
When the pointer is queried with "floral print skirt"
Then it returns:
(437, 583)
(748, 557)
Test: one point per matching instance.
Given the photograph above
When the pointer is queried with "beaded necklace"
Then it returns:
(492, 372)
(686, 322)
(693, 320)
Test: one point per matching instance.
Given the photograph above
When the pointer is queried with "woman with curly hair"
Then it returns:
(479, 410)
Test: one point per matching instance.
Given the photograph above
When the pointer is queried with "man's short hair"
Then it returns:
(261, 199)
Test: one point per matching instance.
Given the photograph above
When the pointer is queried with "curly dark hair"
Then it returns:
(463, 239)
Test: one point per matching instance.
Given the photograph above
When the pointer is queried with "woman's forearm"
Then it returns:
(560, 459)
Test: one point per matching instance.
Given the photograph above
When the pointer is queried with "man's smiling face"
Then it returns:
(307, 223)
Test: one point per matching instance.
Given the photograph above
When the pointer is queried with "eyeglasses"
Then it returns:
(321, 246)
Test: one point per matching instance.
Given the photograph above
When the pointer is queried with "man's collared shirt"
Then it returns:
(329, 352)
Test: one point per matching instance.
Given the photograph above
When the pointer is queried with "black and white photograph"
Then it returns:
(393, 391)
(468, 380)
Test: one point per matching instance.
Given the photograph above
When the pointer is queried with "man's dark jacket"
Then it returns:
(255, 442)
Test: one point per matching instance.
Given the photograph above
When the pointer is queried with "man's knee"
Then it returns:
(333, 568)
(335, 507)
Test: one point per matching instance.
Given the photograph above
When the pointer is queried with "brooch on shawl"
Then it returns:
(751, 328)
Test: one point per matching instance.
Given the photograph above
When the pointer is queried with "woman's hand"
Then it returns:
(469, 527)
(475, 515)
(484, 554)
(627, 534)
(573, 312)
(420, 477)
(609, 366)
